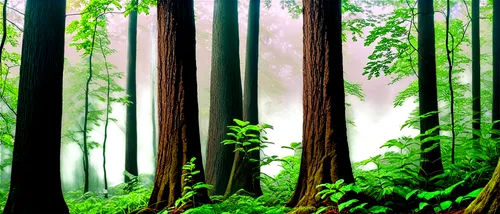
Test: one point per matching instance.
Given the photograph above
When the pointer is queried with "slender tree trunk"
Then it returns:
(225, 93)
(325, 155)
(131, 133)
(86, 167)
(154, 68)
(106, 122)
(431, 161)
(39, 110)
(488, 201)
(476, 72)
(244, 173)
(496, 68)
(178, 103)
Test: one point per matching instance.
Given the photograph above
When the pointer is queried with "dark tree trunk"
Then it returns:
(178, 103)
(476, 71)
(431, 161)
(325, 156)
(39, 111)
(131, 133)
(244, 173)
(496, 68)
(488, 201)
(225, 93)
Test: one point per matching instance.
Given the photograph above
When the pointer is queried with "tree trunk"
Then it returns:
(225, 93)
(131, 134)
(476, 73)
(244, 173)
(496, 68)
(178, 103)
(431, 161)
(325, 156)
(154, 109)
(106, 121)
(39, 110)
(488, 201)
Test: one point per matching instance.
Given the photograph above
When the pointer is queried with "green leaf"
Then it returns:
(378, 209)
(347, 204)
(445, 204)
(359, 207)
(241, 123)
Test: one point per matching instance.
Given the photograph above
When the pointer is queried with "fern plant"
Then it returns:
(190, 188)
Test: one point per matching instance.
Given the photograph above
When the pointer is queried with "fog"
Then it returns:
(280, 93)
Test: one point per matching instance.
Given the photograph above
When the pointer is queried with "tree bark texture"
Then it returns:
(36, 177)
(496, 67)
(244, 173)
(325, 155)
(179, 136)
(476, 71)
(488, 201)
(225, 93)
(131, 120)
(431, 161)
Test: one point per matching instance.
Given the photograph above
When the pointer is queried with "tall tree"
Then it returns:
(476, 70)
(496, 68)
(428, 102)
(131, 120)
(488, 201)
(225, 93)
(178, 103)
(39, 110)
(325, 156)
(244, 173)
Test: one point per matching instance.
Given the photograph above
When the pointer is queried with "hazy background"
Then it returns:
(280, 91)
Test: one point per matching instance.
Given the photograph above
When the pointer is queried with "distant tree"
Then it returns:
(244, 173)
(325, 155)
(225, 93)
(131, 120)
(488, 201)
(39, 110)
(476, 71)
(179, 136)
(428, 101)
(154, 102)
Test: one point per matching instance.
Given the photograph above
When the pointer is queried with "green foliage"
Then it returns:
(9, 82)
(247, 138)
(119, 202)
(190, 188)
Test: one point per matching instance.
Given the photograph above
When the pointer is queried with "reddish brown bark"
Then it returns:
(179, 138)
(325, 156)
(488, 201)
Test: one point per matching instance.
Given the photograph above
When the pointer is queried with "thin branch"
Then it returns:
(109, 12)
(16, 10)
(15, 25)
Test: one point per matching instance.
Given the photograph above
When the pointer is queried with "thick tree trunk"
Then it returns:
(244, 173)
(496, 67)
(225, 93)
(178, 103)
(488, 201)
(131, 133)
(476, 72)
(431, 161)
(325, 156)
(39, 111)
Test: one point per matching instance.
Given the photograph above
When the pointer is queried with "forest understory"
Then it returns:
(51, 103)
